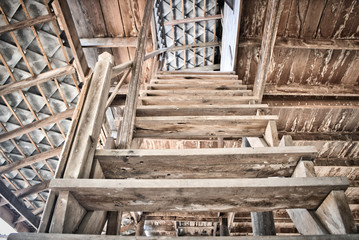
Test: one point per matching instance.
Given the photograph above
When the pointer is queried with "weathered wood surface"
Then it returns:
(199, 110)
(202, 163)
(189, 72)
(196, 100)
(27, 23)
(196, 81)
(44, 236)
(191, 20)
(196, 92)
(113, 42)
(209, 86)
(262, 223)
(200, 195)
(127, 126)
(183, 76)
(202, 126)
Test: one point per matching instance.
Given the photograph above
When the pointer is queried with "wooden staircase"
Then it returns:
(264, 175)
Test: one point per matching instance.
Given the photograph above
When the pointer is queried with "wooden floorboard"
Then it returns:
(225, 195)
(213, 86)
(196, 81)
(195, 76)
(192, 127)
(196, 92)
(199, 110)
(186, 100)
(202, 163)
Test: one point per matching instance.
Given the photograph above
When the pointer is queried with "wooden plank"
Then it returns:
(201, 126)
(30, 160)
(92, 223)
(18, 206)
(192, 20)
(196, 92)
(196, 100)
(43, 236)
(36, 125)
(63, 15)
(351, 76)
(335, 214)
(197, 163)
(198, 110)
(274, 10)
(271, 134)
(196, 76)
(114, 223)
(38, 79)
(127, 126)
(152, 195)
(324, 44)
(219, 82)
(196, 72)
(9, 217)
(27, 23)
(68, 214)
(89, 126)
(212, 86)
(109, 42)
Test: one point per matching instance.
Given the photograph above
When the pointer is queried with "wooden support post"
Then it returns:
(140, 227)
(18, 206)
(85, 140)
(63, 13)
(271, 134)
(68, 214)
(127, 126)
(114, 223)
(305, 221)
(223, 227)
(262, 222)
(335, 214)
(274, 9)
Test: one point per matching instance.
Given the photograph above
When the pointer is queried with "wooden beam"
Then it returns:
(40, 187)
(30, 160)
(335, 44)
(335, 214)
(109, 42)
(114, 223)
(18, 206)
(127, 126)
(263, 223)
(10, 217)
(150, 195)
(44, 236)
(85, 140)
(32, 81)
(36, 125)
(64, 16)
(274, 9)
(27, 23)
(191, 20)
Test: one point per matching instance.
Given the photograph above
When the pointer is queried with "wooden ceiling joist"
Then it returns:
(18, 205)
(110, 42)
(30, 160)
(281, 42)
(27, 23)
(36, 125)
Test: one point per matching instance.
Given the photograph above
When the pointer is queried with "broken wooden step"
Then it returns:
(224, 195)
(212, 86)
(203, 100)
(191, 92)
(199, 110)
(202, 127)
(202, 163)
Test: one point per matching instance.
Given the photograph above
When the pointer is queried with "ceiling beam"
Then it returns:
(30, 160)
(274, 9)
(336, 44)
(36, 125)
(27, 23)
(18, 205)
(10, 218)
(109, 42)
(38, 79)
(191, 20)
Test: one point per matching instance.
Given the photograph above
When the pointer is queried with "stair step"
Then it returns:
(184, 72)
(196, 92)
(212, 86)
(197, 76)
(202, 163)
(201, 127)
(197, 81)
(221, 195)
(199, 110)
(200, 100)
